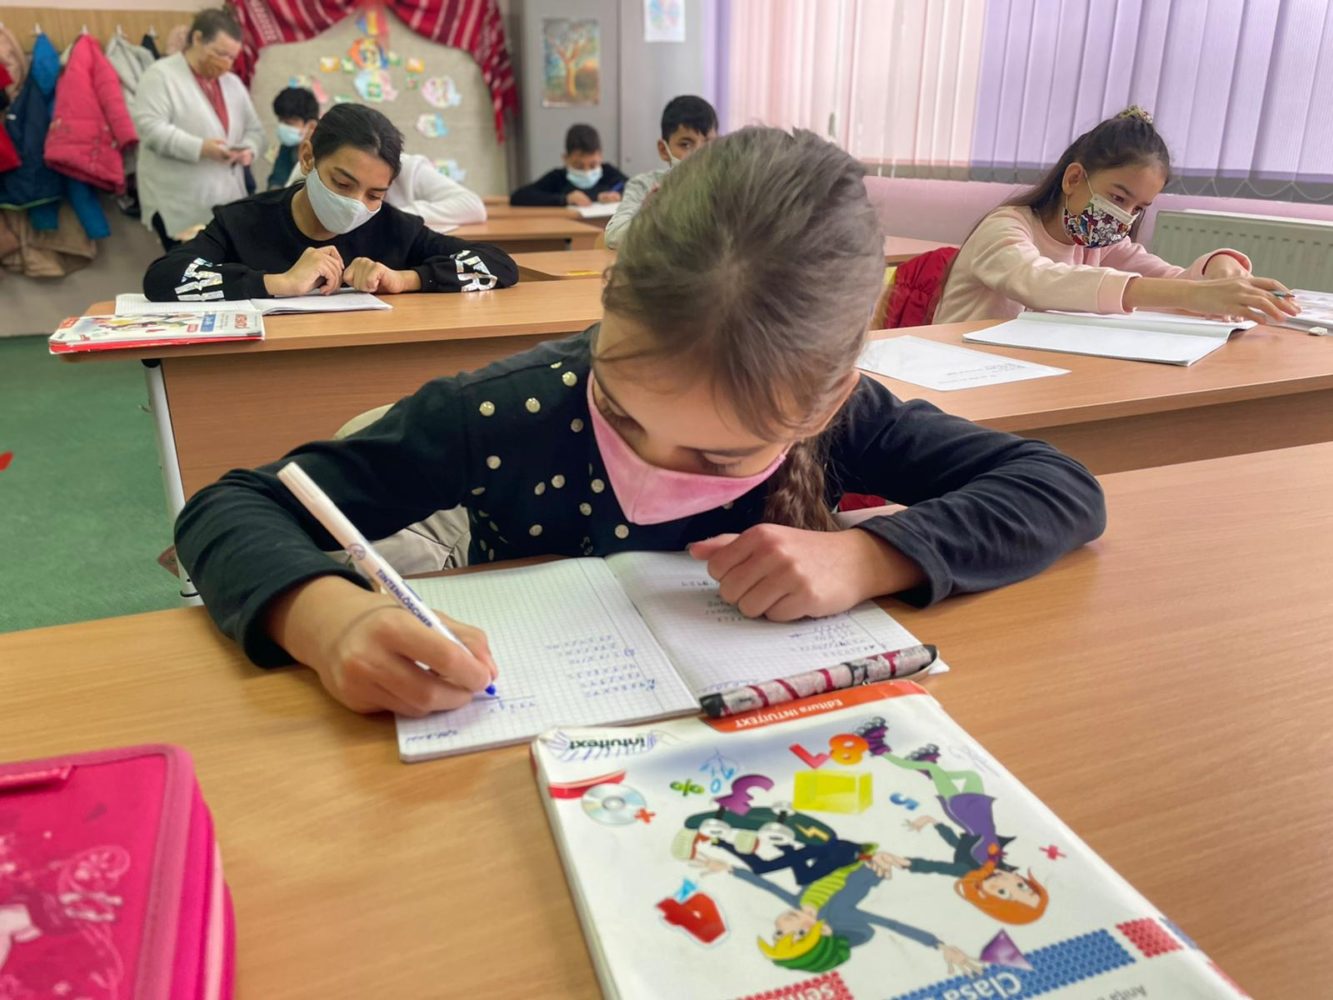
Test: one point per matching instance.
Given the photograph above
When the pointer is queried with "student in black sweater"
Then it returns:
(717, 406)
(334, 230)
(582, 180)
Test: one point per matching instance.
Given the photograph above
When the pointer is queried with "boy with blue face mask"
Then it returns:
(582, 180)
(297, 112)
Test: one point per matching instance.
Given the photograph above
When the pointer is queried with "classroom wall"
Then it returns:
(471, 140)
(638, 78)
(662, 70)
(37, 305)
(544, 128)
(61, 20)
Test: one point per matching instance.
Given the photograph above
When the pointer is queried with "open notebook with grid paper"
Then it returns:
(635, 636)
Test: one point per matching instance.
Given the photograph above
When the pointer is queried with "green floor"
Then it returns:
(82, 516)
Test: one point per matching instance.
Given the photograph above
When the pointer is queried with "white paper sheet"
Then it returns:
(1166, 338)
(597, 210)
(346, 300)
(944, 366)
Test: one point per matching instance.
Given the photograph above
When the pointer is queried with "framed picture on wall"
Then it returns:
(572, 55)
(664, 20)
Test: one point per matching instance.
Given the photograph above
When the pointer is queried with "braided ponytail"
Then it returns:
(796, 493)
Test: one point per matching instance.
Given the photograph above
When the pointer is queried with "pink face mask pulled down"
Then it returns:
(651, 495)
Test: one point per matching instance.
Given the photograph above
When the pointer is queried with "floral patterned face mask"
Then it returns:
(1100, 224)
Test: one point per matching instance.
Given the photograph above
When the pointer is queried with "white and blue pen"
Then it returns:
(370, 562)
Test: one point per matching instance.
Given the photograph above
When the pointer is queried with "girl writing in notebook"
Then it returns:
(717, 406)
(1068, 243)
(331, 231)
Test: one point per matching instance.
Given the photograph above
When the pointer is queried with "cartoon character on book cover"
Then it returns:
(876, 859)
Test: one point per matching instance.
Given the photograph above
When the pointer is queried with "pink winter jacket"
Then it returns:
(91, 126)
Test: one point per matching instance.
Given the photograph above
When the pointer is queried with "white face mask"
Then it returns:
(672, 159)
(336, 212)
(289, 135)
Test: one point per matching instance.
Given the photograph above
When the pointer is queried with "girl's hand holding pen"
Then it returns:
(365, 647)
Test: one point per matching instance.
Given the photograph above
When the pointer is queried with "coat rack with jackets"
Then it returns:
(67, 137)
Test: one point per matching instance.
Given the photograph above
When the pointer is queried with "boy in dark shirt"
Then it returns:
(583, 179)
(297, 112)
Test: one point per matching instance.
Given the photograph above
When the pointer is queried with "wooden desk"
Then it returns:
(1268, 388)
(564, 264)
(528, 234)
(504, 210)
(900, 248)
(1166, 691)
(317, 370)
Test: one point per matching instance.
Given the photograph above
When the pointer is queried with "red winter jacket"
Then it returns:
(90, 127)
(916, 289)
(9, 156)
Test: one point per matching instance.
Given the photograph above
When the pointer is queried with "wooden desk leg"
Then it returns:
(167, 460)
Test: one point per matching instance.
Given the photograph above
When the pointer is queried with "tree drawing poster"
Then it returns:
(573, 57)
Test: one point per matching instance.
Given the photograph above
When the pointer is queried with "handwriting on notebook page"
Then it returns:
(714, 646)
(571, 649)
(600, 664)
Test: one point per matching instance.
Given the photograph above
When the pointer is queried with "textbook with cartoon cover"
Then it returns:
(855, 845)
(164, 328)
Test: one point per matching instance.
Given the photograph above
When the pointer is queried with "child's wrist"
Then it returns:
(303, 619)
(885, 570)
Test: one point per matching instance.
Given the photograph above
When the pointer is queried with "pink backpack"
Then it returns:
(110, 880)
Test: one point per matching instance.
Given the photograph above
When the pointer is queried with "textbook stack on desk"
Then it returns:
(1169, 338)
(855, 845)
(166, 326)
(344, 300)
(638, 635)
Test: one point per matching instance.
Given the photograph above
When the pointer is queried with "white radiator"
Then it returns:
(1297, 252)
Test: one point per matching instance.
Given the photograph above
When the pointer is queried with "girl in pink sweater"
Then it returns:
(1068, 243)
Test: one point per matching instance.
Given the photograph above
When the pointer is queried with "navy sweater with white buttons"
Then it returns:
(512, 443)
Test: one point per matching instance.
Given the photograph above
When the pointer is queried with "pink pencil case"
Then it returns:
(111, 881)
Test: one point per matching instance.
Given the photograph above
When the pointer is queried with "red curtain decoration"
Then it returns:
(474, 26)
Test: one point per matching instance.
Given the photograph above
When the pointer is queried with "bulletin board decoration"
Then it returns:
(474, 26)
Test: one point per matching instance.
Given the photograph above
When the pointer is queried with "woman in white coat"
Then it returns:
(198, 130)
